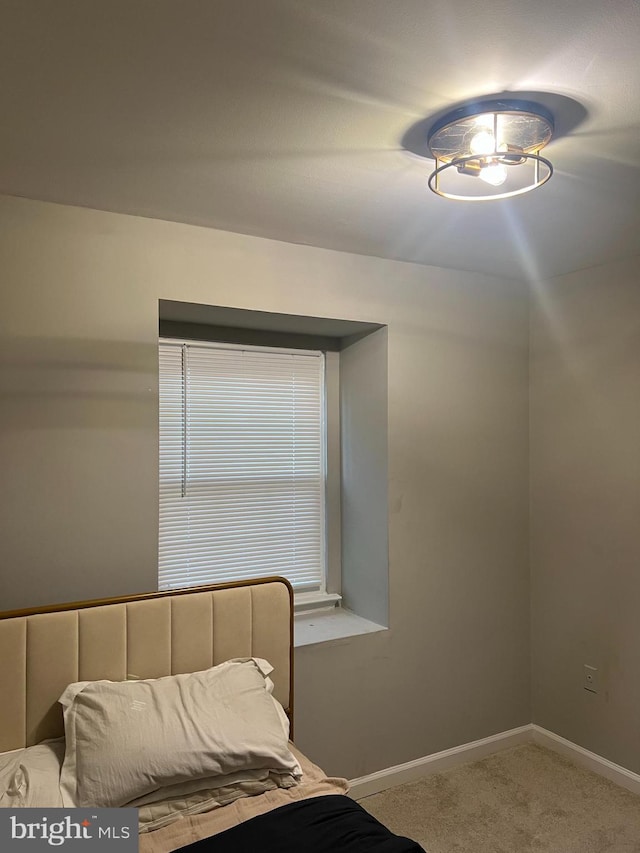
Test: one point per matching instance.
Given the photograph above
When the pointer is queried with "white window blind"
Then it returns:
(242, 465)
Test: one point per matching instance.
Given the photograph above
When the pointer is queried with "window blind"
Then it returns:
(242, 465)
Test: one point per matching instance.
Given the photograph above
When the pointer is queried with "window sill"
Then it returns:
(305, 602)
(311, 629)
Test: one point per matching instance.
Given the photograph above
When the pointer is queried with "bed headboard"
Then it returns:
(141, 636)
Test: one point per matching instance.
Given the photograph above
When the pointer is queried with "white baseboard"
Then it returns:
(596, 763)
(411, 771)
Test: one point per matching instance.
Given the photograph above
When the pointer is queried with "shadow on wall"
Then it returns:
(53, 383)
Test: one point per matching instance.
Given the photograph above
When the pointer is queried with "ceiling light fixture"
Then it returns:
(487, 141)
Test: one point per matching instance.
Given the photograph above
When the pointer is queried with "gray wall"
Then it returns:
(78, 453)
(585, 507)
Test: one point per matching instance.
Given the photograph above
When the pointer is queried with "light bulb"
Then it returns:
(494, 174)
(483, 142)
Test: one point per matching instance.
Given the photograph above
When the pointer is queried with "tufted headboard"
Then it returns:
(141, 636)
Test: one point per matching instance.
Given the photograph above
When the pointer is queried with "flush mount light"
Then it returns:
(490, 150)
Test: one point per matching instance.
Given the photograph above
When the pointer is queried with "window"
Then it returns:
(242, 464)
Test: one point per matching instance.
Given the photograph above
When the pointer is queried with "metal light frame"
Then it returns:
(459, 156)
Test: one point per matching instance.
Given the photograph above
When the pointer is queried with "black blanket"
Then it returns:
(327, 824)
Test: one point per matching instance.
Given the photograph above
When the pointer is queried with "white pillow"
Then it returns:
(126, 740)
(30, 777)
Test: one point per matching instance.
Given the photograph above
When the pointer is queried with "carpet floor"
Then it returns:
(523, 800)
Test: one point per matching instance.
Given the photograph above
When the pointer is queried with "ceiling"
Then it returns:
(286, 119)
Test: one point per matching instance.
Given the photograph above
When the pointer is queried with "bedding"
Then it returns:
(200, 796)
(190, 828)
(127, 742)
(332, 824)
(30, 778)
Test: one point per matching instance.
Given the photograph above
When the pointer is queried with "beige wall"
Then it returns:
(585, 507)
(79, 436)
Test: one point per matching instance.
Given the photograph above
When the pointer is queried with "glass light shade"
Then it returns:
(488, 140)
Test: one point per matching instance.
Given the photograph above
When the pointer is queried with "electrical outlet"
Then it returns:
(591, 679)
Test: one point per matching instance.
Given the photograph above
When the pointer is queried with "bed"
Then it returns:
(119, 685)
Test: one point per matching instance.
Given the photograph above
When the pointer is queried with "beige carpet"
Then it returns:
(522, 800)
